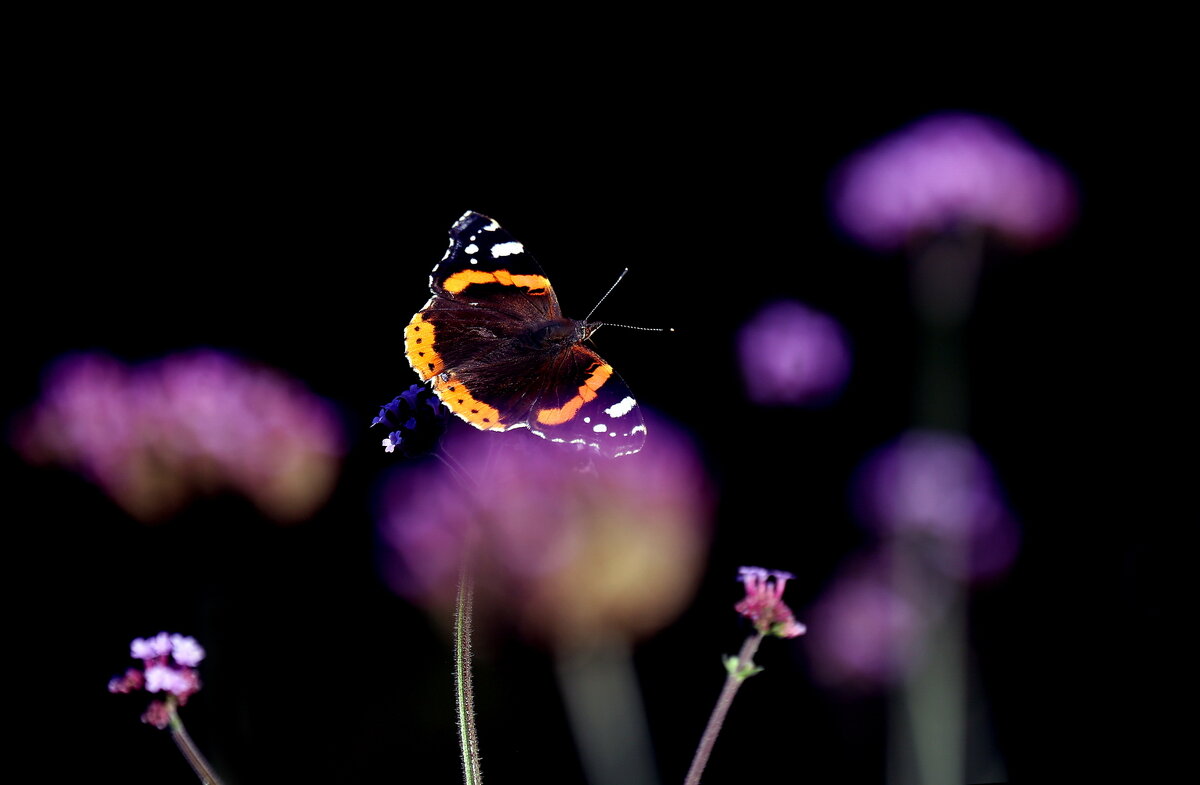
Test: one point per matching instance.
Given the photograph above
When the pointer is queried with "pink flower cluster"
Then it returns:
(153, 436)
(763, 603)
(168, 666)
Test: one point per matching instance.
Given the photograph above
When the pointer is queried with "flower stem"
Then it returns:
(468, 742)
(188, 747)
(737, 674)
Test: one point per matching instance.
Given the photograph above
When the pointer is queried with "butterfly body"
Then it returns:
(495, 346)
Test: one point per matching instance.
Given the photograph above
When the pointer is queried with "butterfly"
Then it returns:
(495, 346)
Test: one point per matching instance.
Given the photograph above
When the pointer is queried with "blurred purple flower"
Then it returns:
(939, 485)
(764, 605)
(949, 169)
(154, 435)
(566, 546)
(868, 631)
(793, 355)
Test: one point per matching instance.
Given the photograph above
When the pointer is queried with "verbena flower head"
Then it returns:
(168, 666)
(153, 436)
(565, 545)
(763, 604)
(950, 169)
(415, 419)
(940, 487)
(793, 355)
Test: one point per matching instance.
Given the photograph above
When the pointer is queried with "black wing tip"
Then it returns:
(471, 218)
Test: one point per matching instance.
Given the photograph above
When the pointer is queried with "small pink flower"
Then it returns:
(763, 603)
(158, 715)
(186, 651)
(150, 648)
(132, 680)
(161, 678)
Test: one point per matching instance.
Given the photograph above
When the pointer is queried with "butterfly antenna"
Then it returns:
(588, 318)
(597, 325)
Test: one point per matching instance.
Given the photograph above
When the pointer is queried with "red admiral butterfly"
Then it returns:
(501, 355)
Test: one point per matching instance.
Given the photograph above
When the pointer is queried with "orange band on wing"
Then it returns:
(536, 284)
(587, 391)
(458, 400)
(418, 348)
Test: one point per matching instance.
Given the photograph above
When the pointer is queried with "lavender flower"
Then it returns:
(793, 355)
(565, 547)
(155, 435)
(763, 604)
(416, 419)
(950, 169)
(938, 486)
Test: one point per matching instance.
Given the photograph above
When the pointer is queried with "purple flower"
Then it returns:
(564, 546)
(793, 355)
(155, 435)
(869, 631)
(939, 486)
(416, 419)
(949, 169)
(763, 604)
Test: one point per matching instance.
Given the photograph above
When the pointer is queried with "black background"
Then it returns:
(289, 208)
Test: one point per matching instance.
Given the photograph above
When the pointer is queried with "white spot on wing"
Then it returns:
(600, 428)
(472, 248)
(493, 226)
(638, 429)
(621, 408)
(507, 249)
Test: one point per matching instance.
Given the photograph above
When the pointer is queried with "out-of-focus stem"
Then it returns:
(734, 680)
(468, 743)
(604, 706)
(188, 747)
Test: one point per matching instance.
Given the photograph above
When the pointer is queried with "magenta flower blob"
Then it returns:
(940, 485)
(869, 631)
(560, 542)
(793, 355)
(951, 169)
(155, 435)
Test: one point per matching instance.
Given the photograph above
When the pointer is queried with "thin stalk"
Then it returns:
(188, 747)
(468, 742)
(737, 674)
